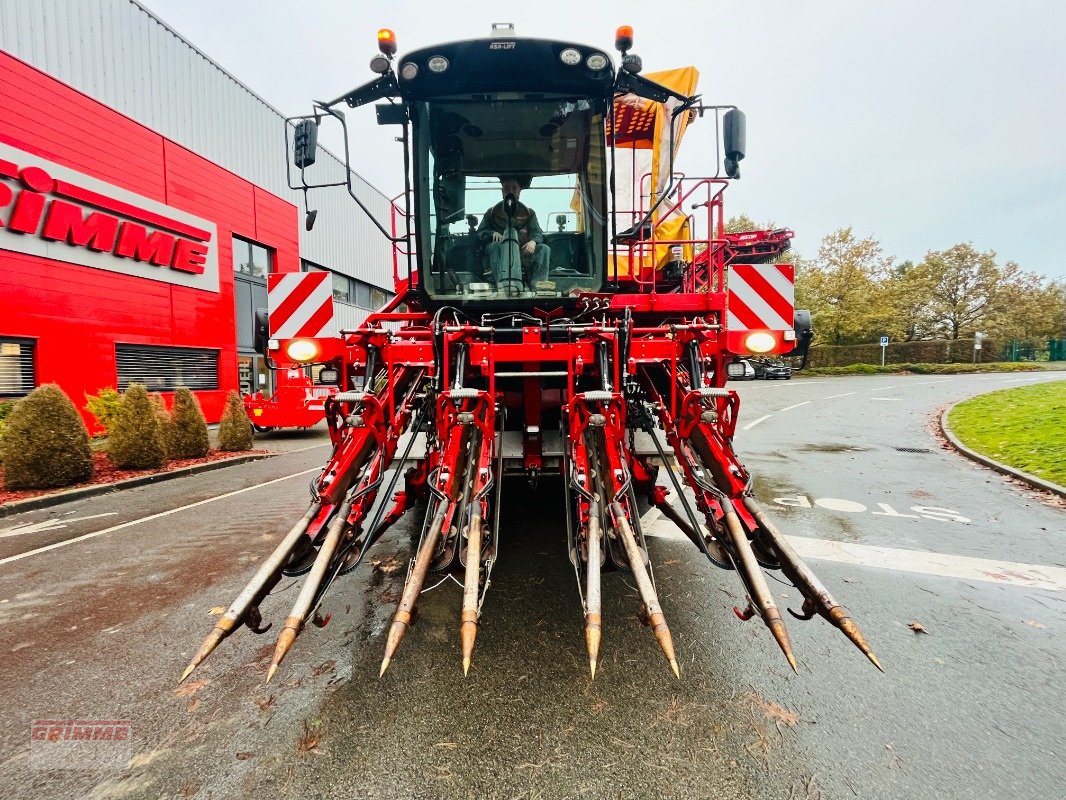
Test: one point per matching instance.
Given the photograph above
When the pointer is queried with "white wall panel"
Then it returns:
(118, 53)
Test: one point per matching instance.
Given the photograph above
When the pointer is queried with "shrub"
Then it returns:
(104, 406)
(189, 434)
(234, 432)
(166, 423)
(45, 443)
(135, 440)
(5, 409)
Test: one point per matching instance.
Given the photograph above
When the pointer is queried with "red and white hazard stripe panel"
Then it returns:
(761, 297)
(300, 305)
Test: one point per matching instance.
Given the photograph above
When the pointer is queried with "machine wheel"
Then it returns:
(257, 429)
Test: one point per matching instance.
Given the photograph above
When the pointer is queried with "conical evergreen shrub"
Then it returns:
(45, 444)
(234, 432)
(166, 423)
(189, 435)
(135, 440)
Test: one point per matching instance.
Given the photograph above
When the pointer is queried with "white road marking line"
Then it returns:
(149, 518)
(755, 422)
(650, 516)
(301, 449)
(47, 525)
(789, 408)
(834, 396)
(945, 565)
(882, 388)
(886, 398)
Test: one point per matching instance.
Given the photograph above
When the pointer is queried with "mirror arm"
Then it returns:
(327, 108)
(377, 89)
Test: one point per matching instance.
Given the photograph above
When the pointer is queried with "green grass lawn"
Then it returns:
(1023, 427)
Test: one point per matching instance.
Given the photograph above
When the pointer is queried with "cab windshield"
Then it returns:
(511, 198)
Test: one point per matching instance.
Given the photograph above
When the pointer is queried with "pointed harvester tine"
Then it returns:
(261, 582)
(808, 583)
(644, 585)
(301, 608)
(405, 610)
(471, 585)
(593, 630)
(761, 597)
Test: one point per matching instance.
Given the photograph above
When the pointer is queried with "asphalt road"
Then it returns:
(100, 627)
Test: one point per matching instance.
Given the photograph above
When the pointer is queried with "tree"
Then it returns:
(966, 289)
(45, 444)
(843, 288)
(135, 440)
(234, 431)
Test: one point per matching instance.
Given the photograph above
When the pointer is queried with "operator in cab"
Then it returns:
(513, 240)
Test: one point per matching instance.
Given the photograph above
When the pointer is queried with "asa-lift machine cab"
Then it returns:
(544, 325)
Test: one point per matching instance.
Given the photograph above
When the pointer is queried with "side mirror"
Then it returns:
(735, 134)
(804, 327)
(260, 331)
(304, 143)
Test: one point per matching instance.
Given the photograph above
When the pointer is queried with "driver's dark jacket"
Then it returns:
(524, 220)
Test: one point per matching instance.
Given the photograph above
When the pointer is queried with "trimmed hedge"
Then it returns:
(45, 444)
(234, 431)
(135, 440)
(921, 351)
(920, 369)
(189, 433)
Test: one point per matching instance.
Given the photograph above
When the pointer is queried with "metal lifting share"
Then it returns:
(587, 354)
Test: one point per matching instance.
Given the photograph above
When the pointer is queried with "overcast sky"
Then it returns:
(922, 124)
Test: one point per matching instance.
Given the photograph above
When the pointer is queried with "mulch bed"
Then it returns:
(106, 472)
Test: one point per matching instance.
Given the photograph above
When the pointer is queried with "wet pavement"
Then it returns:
(101, 628)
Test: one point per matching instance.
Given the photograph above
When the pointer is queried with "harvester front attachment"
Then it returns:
(447, 388)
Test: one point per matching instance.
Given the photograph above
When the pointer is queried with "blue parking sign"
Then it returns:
(884, 341)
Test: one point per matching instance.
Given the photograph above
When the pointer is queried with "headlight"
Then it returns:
(302, 350)
(437, 64)
(596, 62)
(570, 57)
(760, 342)
(408, 71)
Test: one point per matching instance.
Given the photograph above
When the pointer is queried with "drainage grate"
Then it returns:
(914, 450)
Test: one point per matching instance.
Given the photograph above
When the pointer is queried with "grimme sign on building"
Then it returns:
(58, 213)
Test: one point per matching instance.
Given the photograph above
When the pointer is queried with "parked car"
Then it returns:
(749, 371)
(772, 370)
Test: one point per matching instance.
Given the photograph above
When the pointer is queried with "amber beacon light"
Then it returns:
(387, 42)
(623, 38)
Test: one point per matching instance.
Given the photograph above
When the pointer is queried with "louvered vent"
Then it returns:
(16, 367)
(164, 369)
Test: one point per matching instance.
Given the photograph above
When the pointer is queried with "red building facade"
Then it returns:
(117, 249)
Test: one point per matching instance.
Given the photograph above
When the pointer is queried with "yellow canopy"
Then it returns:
(642, 124)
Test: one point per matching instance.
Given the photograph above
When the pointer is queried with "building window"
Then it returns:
(251, 259)
(17, 374)
(352, 290)
(164, 369)
(342, 288)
